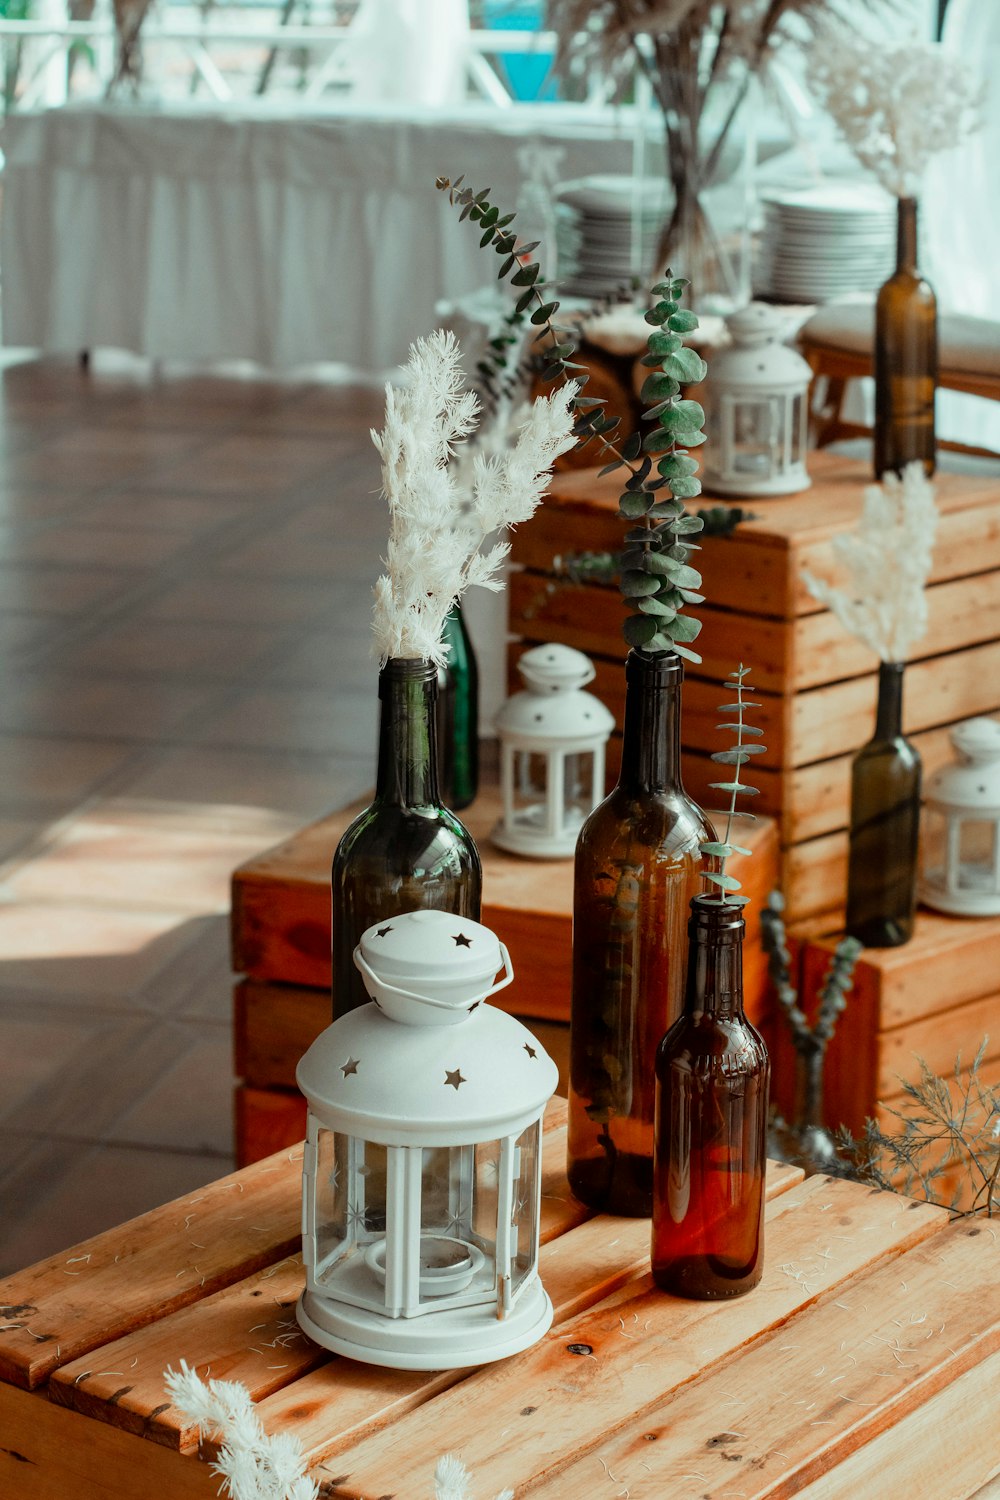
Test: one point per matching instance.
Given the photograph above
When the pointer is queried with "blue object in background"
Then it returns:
(527, 74)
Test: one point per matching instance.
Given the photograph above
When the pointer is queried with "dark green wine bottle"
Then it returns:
(885, 824)
(458, 714)
(407, 850)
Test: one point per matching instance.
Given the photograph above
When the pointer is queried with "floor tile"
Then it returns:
(190, 1108)
(175, 649)
(99, 707)
(97, 545)
(90, 956)
(283, 718)
(40, 774)
(52, 590)
(228, 598)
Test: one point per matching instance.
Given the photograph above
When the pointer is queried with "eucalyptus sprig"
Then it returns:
(738, 756)
(657, 580)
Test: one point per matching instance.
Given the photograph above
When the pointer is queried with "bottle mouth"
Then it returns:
(406, 669)
(708, 914)
(662, 670)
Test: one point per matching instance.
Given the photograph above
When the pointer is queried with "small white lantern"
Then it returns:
(422, 1169)
(757, 392)
(552, 739)
(961, 856)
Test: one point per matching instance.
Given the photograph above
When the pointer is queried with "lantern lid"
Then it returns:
(439, 1085)
(973, 781)
(554, 668)
(758, 355)
(552, 708)
(430, 968)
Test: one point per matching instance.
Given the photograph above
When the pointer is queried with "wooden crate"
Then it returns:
(816, 683)
(281, 938)
(934, 998)
(860, 1355)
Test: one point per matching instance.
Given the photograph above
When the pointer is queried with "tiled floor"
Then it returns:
(185, 566)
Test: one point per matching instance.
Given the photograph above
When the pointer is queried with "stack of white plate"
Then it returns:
(607, 229)
(823, 242)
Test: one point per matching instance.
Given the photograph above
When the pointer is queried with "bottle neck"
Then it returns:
(651, 737)
(715, 959)
(407, 742)
(889, 714)
(906, 235)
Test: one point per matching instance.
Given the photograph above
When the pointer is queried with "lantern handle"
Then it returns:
(501, 984)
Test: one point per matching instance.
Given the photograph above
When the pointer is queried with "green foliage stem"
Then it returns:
(658, 580)
(718, 852)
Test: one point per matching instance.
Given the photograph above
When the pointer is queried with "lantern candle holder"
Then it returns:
(961, 853)
(552, 742)
(757, 395)
(422, 1168)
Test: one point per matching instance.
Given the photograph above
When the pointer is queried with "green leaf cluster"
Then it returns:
(658, 580)
(746, 746)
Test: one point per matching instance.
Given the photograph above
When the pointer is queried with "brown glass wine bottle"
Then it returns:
(712, 1077)
(905, 357)
(637, 865)
(885, 825)
(406, 851)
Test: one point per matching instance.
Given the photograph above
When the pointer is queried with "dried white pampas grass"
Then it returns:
(887, 561)
(437, 523)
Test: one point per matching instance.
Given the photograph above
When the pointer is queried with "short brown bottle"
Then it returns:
(712, 1077)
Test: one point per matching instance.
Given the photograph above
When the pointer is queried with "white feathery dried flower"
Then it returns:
(896, 107)
(253, 1465)
(436, 526)
(451, 1480)
(887, 561)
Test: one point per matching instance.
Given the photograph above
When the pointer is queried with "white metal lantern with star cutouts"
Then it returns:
(961, 840)
(422, 1170)
(552, 741)
(757, 396)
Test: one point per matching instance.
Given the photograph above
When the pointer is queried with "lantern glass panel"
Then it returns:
(578, 785)
(350, 1199)
(758, 436)
(524, 1216)
(977, 851)
(796, 434)
(458, 1222)
(530, 784)
(935, 847)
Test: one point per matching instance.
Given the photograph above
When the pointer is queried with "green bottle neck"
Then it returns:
(715, 959)
(651, 737)
(407, 744)
(889, 713)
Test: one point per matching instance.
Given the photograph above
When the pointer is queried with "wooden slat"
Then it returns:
(267, 1120)
(47, 1453)
(345, 1401)
(166, 1259)
(833, 1378)
(938, 1040)
(838, 1231)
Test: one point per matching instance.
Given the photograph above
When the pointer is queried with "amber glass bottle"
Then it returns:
(905, 357)
(406, 850)
(885, 825)
(458, 713)
(636, 869)
(712, 1076)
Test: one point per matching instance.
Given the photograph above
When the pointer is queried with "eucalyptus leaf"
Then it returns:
(683, 320)
(639, 630)
(746, 728)
(652, 605)
(686, 487)
(636, 584)
(664, 343)
(632, 446)
(734, 786)
(688, 525)
(724, 882)
(685, 365)
(633, 503)
(687, 654)
(685, 628)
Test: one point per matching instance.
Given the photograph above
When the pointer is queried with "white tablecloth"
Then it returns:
(257, 234)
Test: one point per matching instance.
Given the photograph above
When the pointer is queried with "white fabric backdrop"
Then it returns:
(283, 239)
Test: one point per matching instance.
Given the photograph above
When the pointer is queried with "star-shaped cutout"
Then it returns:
(350, 1066)
(530, 1050)
(454, 1077)
(382, 931)
(461, 941)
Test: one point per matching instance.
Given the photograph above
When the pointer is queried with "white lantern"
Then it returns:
(422, 1170)
(961, 854)
(552, 739)
(757, 392)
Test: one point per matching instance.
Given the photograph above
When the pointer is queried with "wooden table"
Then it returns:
(281, 943)
(865, 1365)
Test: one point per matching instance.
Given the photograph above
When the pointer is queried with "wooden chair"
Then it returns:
(837, 344)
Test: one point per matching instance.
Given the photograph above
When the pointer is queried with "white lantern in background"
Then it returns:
(757, 393)
(552, 739)
(422, 1170)
(961, 853)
